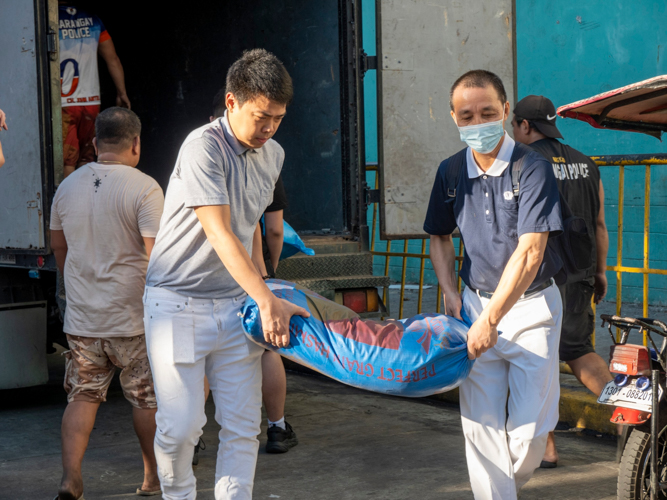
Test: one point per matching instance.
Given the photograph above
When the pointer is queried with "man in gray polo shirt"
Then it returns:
(198, 277)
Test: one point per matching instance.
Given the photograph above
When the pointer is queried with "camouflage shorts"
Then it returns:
(92, 362)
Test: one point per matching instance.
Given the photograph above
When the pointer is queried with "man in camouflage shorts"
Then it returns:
(92, 362)
(104, 220)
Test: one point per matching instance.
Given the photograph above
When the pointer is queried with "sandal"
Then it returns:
(144, 493)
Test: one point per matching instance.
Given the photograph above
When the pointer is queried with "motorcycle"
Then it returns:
(636, 393)
(638, 386)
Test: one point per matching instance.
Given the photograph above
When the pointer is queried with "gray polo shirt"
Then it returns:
(212, 168)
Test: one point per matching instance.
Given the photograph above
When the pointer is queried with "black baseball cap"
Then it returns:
(539, 111)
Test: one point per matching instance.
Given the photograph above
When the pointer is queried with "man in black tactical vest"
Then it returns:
(579, 182)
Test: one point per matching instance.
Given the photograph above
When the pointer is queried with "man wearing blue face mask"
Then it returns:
(504, 199)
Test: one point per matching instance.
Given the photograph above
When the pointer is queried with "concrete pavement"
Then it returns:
(353, 445)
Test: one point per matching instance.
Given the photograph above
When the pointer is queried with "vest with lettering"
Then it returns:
(578, 180)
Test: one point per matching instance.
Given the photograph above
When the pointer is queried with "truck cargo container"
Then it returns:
(175, 60)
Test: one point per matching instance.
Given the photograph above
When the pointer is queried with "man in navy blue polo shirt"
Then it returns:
(509, 403)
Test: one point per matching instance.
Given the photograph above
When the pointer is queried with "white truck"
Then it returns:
(175, 60)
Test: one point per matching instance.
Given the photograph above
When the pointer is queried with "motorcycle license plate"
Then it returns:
(628, 396)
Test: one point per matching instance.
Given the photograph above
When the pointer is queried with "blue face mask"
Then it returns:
(484, 137)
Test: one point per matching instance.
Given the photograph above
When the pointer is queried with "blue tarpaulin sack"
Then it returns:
(292, 243)
(414, 357)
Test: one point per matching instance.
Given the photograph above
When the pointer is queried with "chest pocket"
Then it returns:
(261, 200)
(507, 214)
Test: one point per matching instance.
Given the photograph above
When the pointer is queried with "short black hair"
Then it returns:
(259, 73)
(219, 105)
(116, 128)
(520, 120)
(479, 78)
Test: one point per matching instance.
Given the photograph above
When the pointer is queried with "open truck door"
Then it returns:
(319, 42)
(422, 47)
(30, 95)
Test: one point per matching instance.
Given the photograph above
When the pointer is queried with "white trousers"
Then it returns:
(506, 436)
(188, 338)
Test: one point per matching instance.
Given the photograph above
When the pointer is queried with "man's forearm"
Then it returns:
(601, 235)
(257, 253)
(107, 50)
(239, 264)
(216, 222)
(275, 234)
(443, 257)
(519, 273)
(275, 244)
(601, 248)
(149, 243)
(117, 75)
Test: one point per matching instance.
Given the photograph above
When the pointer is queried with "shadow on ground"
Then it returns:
(353, 445)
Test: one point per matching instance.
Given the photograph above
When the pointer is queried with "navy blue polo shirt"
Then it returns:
(491, 219)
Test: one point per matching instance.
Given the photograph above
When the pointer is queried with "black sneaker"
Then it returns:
(279, 440)
(201, 445)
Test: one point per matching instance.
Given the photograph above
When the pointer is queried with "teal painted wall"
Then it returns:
(567, 51)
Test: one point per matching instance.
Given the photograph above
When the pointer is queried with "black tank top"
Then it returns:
(578, 179)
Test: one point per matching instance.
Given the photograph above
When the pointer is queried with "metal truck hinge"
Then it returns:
(371, 195)
(366, 62)
(52, 44)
